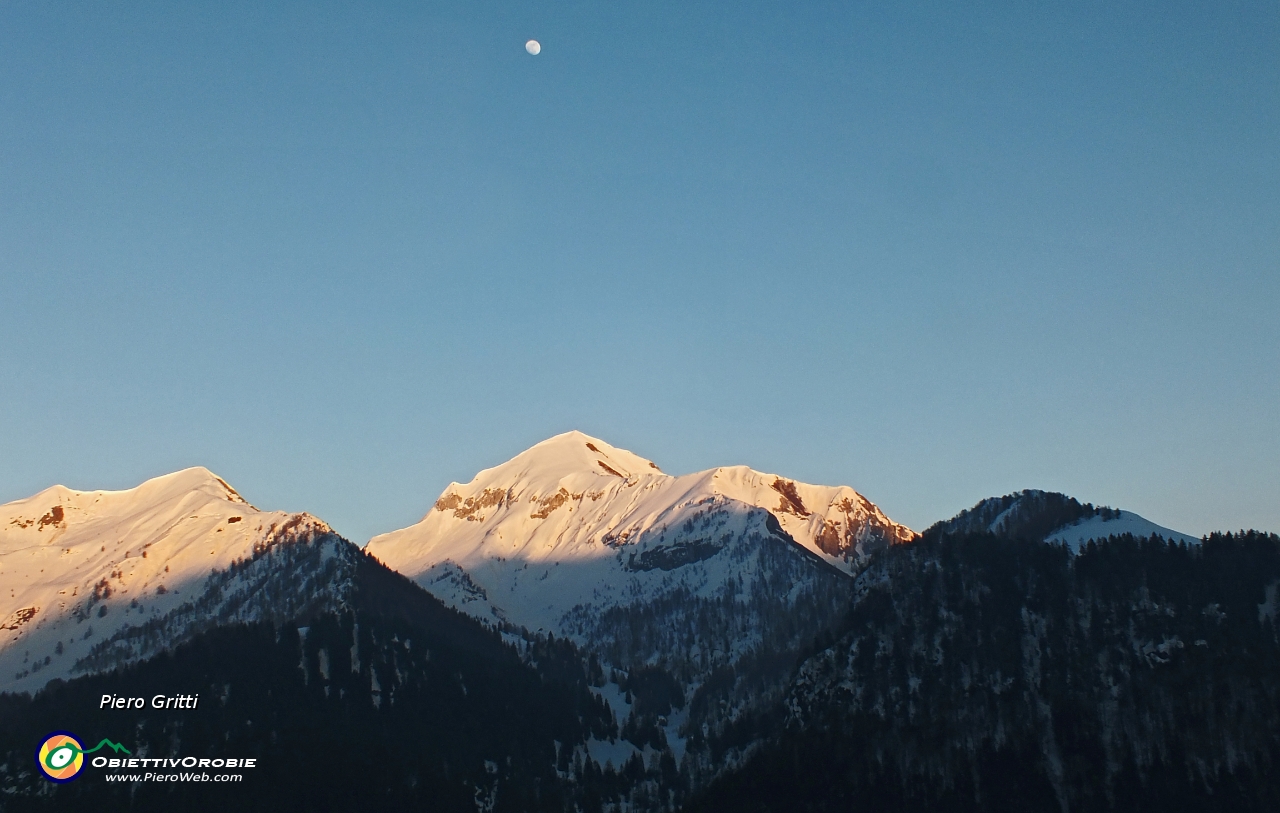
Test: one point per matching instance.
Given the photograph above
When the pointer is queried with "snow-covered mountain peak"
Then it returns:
(79, 566)
(196, 485)
(196, 479)
(610, 514)
(574, 496)
(570, 456)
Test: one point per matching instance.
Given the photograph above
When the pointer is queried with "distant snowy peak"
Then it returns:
(1051, 517)
(575, 497)
(77, 567)
(194, 485)
(572, 455)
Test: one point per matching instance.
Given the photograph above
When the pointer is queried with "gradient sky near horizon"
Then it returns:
(343, 254)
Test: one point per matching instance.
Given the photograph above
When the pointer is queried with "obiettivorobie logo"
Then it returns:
(61, 758)
(61, 755)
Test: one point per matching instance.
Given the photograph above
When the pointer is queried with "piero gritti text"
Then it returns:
(160, 701)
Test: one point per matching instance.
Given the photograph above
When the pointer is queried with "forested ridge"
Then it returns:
(984, 672)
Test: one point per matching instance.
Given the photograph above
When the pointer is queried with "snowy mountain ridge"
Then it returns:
(93, 579)
(576, 500)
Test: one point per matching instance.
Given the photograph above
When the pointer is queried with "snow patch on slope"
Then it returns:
(1098, 527)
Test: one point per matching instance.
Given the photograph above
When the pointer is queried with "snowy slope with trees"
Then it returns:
(1049, 516)
(1120, 523)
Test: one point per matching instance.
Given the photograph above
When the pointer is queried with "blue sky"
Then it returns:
(343, 255)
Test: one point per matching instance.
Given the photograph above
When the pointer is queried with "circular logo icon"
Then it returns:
(60, 756)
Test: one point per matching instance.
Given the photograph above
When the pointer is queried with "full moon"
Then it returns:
(532, 47)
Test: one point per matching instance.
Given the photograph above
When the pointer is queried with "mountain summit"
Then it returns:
(93, 579)
(487, 546)
(1048, 516)
(576, 498)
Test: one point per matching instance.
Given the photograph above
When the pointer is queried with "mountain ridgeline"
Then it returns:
(575, 630)
(1031, 515)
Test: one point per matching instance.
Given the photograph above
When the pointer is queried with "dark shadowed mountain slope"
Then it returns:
(982, 673)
